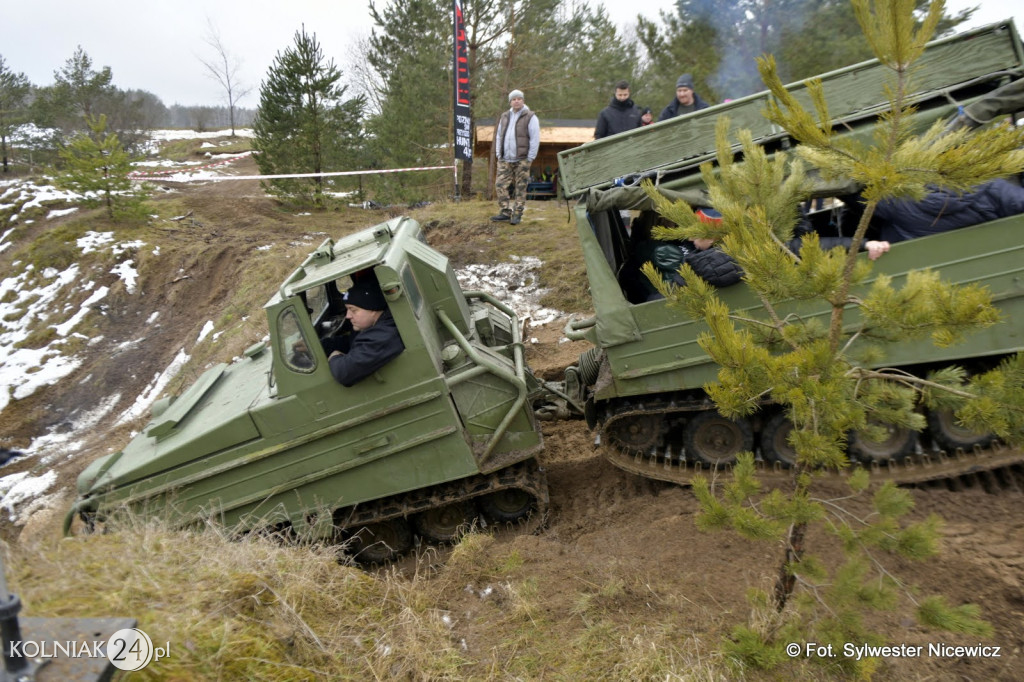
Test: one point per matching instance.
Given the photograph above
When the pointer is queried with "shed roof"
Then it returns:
(563, 131)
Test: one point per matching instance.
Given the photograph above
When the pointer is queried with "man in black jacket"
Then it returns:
(620, 115)
(374, 342)
(686, 101)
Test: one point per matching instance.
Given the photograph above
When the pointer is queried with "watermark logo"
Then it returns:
(131, 649)
(127, 649)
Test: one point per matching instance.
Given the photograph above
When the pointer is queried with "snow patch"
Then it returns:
(205, 331)
(515, 284)
(128, 274)
(92, 241)
(65, 328)
(57, 213)
(52, 445)
(23, 486)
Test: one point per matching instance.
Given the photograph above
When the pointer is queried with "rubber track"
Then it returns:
(916, 468)
(526, 476)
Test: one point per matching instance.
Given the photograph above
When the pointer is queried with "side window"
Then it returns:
(295, 348)
(317, 302)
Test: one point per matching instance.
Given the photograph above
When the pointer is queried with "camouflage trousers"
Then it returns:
(515, 174)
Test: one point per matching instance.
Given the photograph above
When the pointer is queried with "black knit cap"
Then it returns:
(367, 295)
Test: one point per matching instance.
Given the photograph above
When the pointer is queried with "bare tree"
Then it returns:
(363, 78)
(223, 67)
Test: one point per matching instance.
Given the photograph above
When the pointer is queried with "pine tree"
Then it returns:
(96, 166)
(78, 91)
(304, 124)
(14, 89)
(411, 52)
(825, 376)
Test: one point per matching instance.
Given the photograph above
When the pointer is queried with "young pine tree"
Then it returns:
(303, 125)
(97, 167)
(826, 376)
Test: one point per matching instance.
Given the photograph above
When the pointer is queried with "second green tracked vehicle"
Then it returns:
(642, 383)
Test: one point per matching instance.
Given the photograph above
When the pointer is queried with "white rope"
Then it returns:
(218, 178)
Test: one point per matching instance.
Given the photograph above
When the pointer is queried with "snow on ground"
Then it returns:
(57, 213)
(205, 331)
(159, 136)
(29, 298)
(166, 135)
(128, 274)
(25, 302)
(32, 195)
(514, 284)
(52, 445)
(22, 486)
(4, 244)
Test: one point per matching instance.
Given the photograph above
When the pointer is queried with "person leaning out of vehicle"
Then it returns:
(374, 341)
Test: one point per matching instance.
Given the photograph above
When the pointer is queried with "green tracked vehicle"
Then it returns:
(440, 434)
(641, 384)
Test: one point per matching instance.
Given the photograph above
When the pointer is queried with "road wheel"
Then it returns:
(896, 446)
(507, 505)
(637, 433)
(447, 523)
(775, 445)
(379, 542)
(949, 435)
(715, 440)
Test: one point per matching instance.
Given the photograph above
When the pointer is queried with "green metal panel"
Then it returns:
(438, 284)
(990, 53)
(169, 419)
(661, 145)
(615, 322)
(346, 461)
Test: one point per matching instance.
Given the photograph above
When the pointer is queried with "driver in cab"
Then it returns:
(374, 341)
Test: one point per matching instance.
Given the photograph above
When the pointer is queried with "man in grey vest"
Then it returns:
(516, 141)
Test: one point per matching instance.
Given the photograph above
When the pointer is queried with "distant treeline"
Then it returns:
(201, 118)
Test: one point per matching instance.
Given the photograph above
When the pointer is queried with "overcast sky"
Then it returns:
(156, 45)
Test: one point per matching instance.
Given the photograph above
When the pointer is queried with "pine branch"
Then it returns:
(894, 374)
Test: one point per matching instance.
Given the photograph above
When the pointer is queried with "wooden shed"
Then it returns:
(556, 135)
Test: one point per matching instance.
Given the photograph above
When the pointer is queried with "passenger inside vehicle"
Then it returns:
(710, 263)
(374, 340)
(944, 210)
(354, 326)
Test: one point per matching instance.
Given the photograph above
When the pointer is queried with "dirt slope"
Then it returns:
(606, 528)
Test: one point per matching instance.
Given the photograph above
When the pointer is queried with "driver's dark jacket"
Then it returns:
(367, 351)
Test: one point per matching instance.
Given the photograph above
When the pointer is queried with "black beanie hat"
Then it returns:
(685, 81)
(367, 295)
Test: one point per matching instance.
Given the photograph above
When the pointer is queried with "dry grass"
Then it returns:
(258, 609)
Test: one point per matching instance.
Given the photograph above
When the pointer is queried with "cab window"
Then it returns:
(317, 302)
(296, 352)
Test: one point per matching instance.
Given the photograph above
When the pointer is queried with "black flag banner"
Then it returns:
(463, 139)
